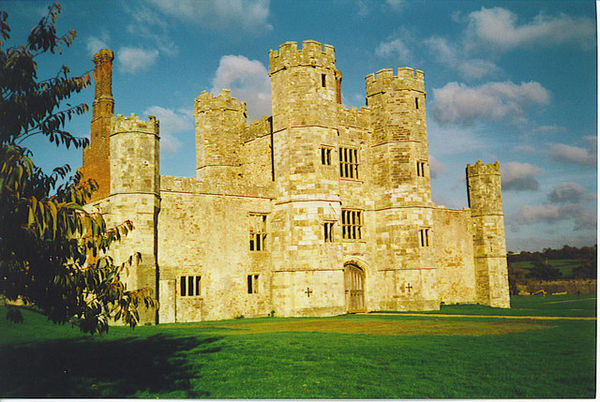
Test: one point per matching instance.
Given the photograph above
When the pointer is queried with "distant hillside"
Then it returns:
(565, 263)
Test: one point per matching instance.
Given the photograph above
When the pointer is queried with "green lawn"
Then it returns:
(354, 356)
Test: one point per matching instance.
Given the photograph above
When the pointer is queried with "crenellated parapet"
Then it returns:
(312, 54)
(480, 168)
(128, 124)
(484, 188)
(385, 80)
(353, 117)
(206, 101)
(257, 129)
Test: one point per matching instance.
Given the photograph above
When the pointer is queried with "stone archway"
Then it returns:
(354, 284)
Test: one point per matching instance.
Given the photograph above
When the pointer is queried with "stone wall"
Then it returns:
(453, 248)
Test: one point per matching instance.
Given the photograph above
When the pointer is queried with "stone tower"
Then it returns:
(489, 249)
(402, 186)
(220, 122)
(135, 195)
(304, 87)
(96, 155)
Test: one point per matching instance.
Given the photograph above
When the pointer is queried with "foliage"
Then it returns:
(566, 252)
(587, 270)
(515, 275)
(544, 271)
(52, 250)
(582, 260)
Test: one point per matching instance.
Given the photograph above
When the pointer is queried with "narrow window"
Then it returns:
(328, 232)
(349, 163)
(416, 103)
(424, 237)
(258, 232)
(182, 284)
(198, 285)
(421, 168)
(351, 224)
(252, 284)
(323, 80)
(325, 156)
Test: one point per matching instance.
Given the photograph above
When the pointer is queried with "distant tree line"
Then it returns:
(564, 253)
(542, 269)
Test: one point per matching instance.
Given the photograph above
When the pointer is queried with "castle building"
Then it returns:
(317, 210)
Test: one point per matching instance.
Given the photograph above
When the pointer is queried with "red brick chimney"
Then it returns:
(96, 164)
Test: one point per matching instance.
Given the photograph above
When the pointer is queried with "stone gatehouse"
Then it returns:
(316, 210)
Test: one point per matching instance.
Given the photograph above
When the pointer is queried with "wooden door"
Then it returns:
(354, 279)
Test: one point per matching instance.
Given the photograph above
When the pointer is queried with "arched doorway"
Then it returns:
(354, 283)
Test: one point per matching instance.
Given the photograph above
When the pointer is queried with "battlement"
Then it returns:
(206, 101)
(257, 129)
(133, 123)
(480, 168)
(384, 80)
(312, 54)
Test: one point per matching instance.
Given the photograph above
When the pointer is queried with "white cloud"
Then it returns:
(553, 128)
(134, 59)
(395, 47)
(396, 5)
(363, 8)
(499, 27)
(518, 176)
(94, 43)
(435, 167)
(584, 218)
(248, 81)
(150, 25)
(526, 149)
(572, 154)
(456, 57)
(460, 104)
(171, 122)
(247, 15)
(568, 192)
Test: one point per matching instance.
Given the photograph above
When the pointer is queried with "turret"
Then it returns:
(96, 155)
(305, 83)
(397, 104)
(135, 196)
(134, 151)
(220, 123)
(489, 245)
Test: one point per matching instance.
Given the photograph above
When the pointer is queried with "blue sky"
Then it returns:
(510, 81)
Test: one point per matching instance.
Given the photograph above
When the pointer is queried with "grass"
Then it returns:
(353, 356)
(565, 266)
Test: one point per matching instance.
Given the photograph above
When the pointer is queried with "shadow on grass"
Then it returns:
(156, 365)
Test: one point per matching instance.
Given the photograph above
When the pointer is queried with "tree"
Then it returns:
(516, 275)
(544, 271)
(53, 251)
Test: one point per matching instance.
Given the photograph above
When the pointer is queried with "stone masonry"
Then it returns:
(317, 210)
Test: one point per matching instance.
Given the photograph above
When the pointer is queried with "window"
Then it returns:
(351, 224)
(416, 103)
(349, 163)
(252, 283)
(424, 237)
(328, 232)
(323, 76)
(325, 156)
(421, 168)
(189, 285)
(258, 232)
